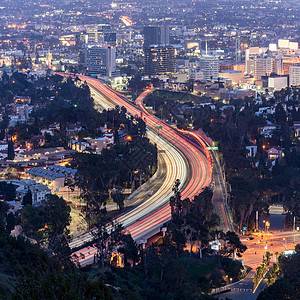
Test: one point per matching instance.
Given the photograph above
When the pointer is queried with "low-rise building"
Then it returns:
(3, 149)
(275, 153)
(276, 83)
(237, 94)
(252, 151)
(234, 76)
(268, 130)
(38, 190)
(55, 177)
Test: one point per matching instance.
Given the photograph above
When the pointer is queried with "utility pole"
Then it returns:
(256, 220)
(294, 227)
(294, 224)
(238, 48)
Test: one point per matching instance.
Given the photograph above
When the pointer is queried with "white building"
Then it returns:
(38, 190)
(262, 62)
(234, 76)
(196, 74)
(55, 177)
(100, 60)
(99, 143)
(286, 44)
(277, 83)
(209, 66)
(295, 75)
(3, 149)
(100, 34)
(252, 151)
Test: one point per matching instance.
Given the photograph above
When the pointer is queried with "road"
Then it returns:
(243, 289)
(220, 195)
(219, 199)
(275, 242)
(272, 242)
(184, 162)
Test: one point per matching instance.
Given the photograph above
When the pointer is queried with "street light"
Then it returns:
(268, 225)
(284, 239)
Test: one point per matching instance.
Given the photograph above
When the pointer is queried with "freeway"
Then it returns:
(220, 195)
(219, 199)
(185, 162)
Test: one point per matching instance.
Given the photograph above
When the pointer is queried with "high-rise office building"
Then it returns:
(238, 49)
(156, 35)
(263, 61)
(159, 60)
(150, 36)
(210, 66)
(264, 65)
(295, 75)
(100, 60)
(101, 34)
(164, 35)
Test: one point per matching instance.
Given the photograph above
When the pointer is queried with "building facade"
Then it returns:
(156, 35)
(100, 60)
(209, 66)
(159, 60)
(295, 75)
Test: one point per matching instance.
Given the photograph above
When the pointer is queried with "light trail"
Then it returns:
(185, 162)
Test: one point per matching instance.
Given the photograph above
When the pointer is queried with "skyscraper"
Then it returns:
(238, 50)
(101, 34)
(156, 35)
(164, 35)
(295, 75)
(150, 36)
(159, 60)
(100, 60)
(210, 66)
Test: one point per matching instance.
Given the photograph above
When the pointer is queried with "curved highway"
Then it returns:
(185, 161)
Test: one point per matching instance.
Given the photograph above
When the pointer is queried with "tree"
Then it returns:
(200, 220)
(27, 199)
(8, 191)
(3, 209)
(48, 223)
(10, 222)
(57, 218)
(32, 221)
(10, 150)
(37, 275)
(57, 214)
(118, 198)
(116, 137)
(176, 203)
(280, 114)
(234, 244)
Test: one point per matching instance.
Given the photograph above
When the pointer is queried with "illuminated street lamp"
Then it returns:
(267, 225)
(284, 239)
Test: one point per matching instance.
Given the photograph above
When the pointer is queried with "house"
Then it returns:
(56, 155)
(270, 110)
(38, 190)
(268, 130)
(72, 130)
(275, 153)
(296, 128)
(35, 141)
(252, 151)
(55, 177)
(99, 143)
(78, 146)
(3, 149)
